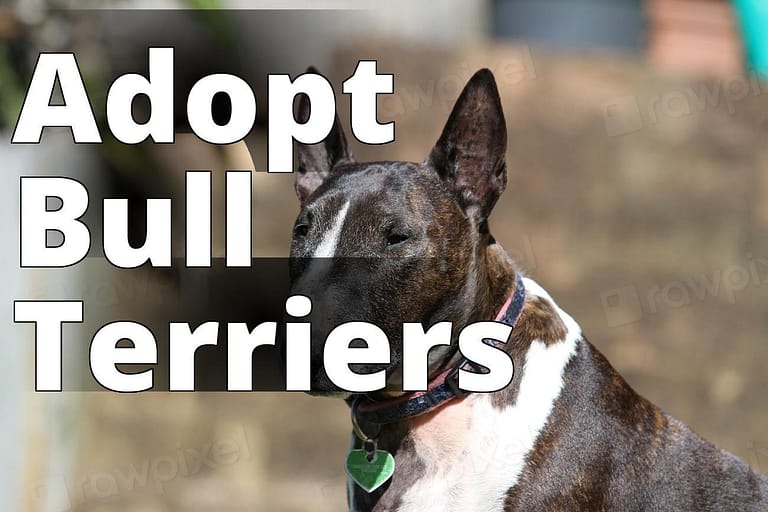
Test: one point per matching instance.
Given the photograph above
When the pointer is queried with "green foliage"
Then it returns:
(11, 90)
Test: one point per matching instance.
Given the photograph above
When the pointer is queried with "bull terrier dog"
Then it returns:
(568, 433)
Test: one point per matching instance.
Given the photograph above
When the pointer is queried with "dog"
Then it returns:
(568, 433)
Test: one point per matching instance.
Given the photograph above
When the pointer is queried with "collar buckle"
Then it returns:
(452, 381)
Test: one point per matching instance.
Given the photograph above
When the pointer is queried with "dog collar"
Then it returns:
(444, 387)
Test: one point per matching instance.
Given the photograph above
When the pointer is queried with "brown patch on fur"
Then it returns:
(621, 400)
(539, 321)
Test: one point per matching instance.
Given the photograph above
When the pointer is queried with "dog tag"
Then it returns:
(370, 475)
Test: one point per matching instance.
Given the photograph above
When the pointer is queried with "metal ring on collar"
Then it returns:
(356, 428)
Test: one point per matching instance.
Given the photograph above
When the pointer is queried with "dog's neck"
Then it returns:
(494, 282)
(495, 277)
(497, 280)
(542, 343)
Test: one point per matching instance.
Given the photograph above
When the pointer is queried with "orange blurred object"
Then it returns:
(694, 37)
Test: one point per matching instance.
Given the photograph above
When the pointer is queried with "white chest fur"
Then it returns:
(474, 451)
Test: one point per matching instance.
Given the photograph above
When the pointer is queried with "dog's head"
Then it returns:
(395, 242)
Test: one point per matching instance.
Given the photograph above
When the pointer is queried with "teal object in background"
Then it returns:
(753, 18)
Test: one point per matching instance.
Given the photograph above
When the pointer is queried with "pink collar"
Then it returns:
(443, 388)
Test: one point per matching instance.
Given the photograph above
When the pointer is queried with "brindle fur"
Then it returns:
(603, 448)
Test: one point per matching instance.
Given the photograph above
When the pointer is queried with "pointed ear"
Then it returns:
(470, 154)
(316, 161)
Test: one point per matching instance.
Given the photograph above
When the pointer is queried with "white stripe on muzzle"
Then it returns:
(327, 246)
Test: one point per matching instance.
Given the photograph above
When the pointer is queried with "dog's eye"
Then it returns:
(396, 238)
(301, 230)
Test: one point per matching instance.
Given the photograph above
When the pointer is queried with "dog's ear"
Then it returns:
(470, 154)
(316, 161)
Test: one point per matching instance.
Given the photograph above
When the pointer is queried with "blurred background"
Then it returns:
(638, 196)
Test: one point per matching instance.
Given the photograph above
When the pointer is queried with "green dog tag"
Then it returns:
(370, 475)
